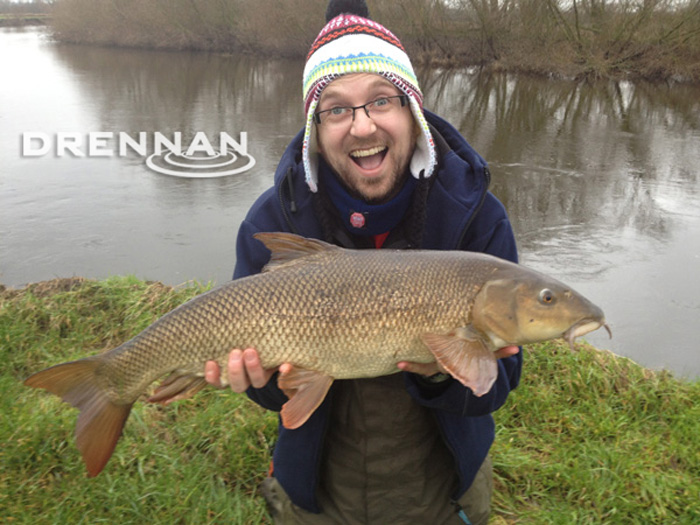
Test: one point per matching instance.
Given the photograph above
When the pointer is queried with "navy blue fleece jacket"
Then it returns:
(461, 214)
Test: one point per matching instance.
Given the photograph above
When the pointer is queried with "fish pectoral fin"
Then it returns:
(306, 390)
(466, 357)
(176, 387)
(100, 422)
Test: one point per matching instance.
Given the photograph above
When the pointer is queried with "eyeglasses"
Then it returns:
(343, 114)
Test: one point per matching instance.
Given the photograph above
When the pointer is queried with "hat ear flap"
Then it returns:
(310, 150)
(424, 158)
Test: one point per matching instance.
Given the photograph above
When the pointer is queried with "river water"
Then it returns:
(602, 182)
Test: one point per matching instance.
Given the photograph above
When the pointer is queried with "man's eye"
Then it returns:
(338, 111)
(381, 102)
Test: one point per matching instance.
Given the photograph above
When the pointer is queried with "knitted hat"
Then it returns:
(350, 43)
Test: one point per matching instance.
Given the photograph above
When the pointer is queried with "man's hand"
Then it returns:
(243, 370)
(506, 351)
(429, 369)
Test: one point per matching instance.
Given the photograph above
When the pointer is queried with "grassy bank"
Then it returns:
(587, 438)
(23, 20)
(651, 39)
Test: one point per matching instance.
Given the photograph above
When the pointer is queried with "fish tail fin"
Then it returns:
(100, 422)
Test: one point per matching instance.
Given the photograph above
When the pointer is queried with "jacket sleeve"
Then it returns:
(491, 233)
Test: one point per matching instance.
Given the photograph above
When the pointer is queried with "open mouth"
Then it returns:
(369, 159)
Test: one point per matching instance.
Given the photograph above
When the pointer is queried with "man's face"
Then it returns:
(370, 156)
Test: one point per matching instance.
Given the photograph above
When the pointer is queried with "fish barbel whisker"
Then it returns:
(584, 327)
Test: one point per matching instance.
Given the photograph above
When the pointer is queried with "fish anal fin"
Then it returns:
(177, 386)
(466, 357)
(306, 390)
(100, 422)
(287, 248)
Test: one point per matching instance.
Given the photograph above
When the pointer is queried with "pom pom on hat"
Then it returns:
(353, 7)
(352, 43)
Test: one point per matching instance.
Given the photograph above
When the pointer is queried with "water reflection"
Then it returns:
(570, 160)
(166, 92)
(601, 181)
(573, 130)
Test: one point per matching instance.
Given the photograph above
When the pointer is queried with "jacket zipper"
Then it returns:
(293, 205)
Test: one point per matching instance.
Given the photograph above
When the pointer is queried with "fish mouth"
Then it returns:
(584, 327)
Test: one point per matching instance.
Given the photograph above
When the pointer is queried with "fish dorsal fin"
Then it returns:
(467, 358)
(288, 247)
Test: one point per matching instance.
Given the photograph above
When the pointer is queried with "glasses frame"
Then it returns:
(317, 115)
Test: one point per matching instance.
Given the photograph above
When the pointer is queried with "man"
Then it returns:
(372, 169)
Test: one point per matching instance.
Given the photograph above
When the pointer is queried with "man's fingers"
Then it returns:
(257, 375)
(243, 369)
(212, 374)
(237, 375)
(506, 351)
(424, 369)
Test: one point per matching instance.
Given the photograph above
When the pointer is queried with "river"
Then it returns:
(601, 181)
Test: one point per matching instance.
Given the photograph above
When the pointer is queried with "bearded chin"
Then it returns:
(397, 184)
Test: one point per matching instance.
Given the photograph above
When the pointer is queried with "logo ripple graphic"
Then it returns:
(200, 165)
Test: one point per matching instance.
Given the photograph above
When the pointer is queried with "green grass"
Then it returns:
(197, 461)
(586, 438)
(593, 438)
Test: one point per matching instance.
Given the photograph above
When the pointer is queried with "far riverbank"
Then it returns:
(23, 20)
(658, 40)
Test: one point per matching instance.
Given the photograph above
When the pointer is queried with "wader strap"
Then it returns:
(463, 515)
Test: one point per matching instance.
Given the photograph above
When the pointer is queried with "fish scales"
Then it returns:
(344, 311)
(333, 314)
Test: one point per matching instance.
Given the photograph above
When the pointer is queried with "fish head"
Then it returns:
(519, 306)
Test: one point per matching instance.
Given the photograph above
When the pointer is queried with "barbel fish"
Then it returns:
(332, 313)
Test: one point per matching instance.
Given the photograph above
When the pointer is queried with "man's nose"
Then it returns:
(362, 124)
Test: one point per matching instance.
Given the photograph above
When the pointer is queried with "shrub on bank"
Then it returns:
(652, 39)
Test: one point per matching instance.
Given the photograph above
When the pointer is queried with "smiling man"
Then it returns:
(366, 144)
(373, 169)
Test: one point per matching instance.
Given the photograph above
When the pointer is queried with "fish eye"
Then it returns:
(547, 296)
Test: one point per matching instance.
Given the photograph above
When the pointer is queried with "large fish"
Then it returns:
(333, 314)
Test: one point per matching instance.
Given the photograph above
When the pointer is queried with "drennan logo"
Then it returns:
(199, 158)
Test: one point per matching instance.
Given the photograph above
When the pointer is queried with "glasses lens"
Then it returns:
(382, 105)
(335, 115)
(385, 106)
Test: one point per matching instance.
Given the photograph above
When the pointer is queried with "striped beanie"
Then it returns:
(349, 44)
